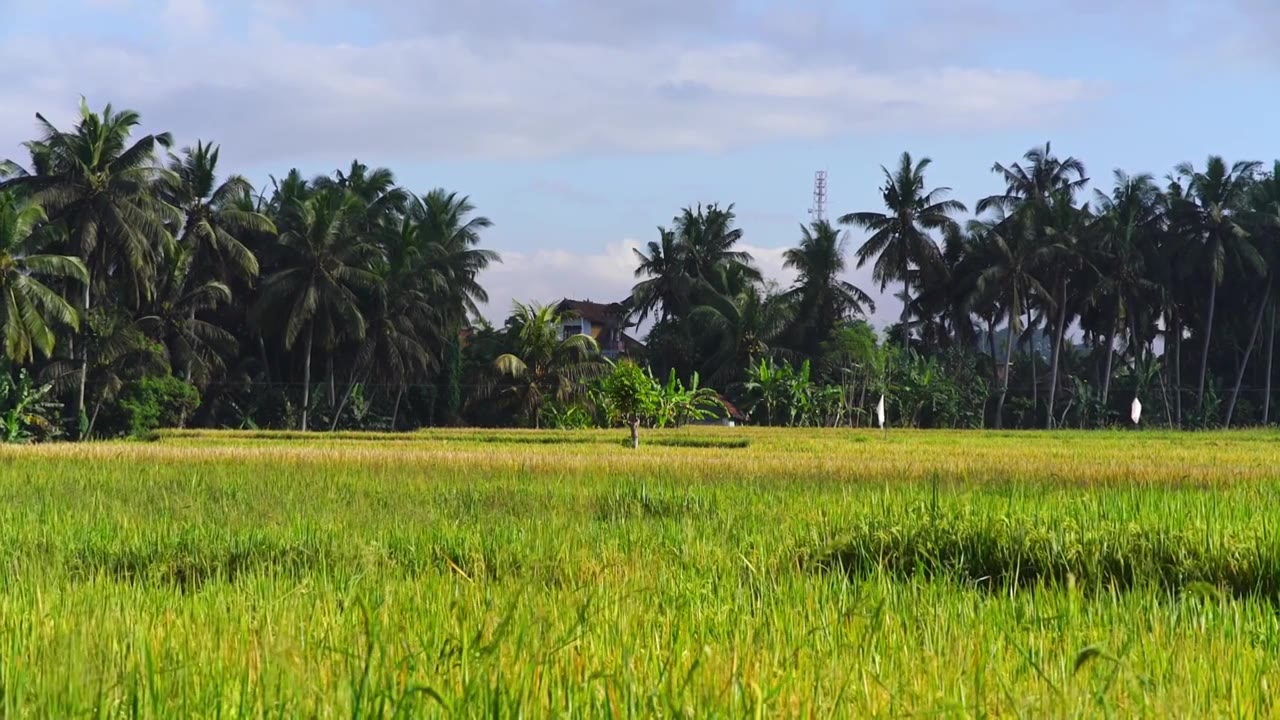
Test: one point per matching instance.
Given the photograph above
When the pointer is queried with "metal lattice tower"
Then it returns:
(819, 210)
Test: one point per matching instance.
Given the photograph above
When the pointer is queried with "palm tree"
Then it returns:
(900, 237)
(823, 300)
(547, 362)
(1265, 206)
(1043, 177)
(213, 219)
(666, 285)
(450, 236)
(707, 239)
(1012, 259)
(29, 309)
(381, 200)
(102, 188)
(314, 296)
(1214, 197)
(1067, 232)
(1127, 226)
(744, 323)
(195, 347)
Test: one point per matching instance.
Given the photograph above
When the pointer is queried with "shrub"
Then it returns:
(159, 402)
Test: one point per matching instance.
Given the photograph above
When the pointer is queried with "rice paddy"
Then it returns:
(712, 573)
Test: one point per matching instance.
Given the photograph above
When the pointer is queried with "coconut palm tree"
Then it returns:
(1265, 207)
(30, 311)
(823, 300)
(196, 348)
(102, 187)
(547, 363)
(1012, 259)
(708, 239)
(1067, 233)
(382, 201)
(743, 323)
(666, 286)
(1209, 212)
(314, 296)
(1043, 176)
(213, 217)
(900, 237)
(450, 236)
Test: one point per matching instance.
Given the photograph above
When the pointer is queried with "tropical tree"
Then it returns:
(1012, 259)
(214, 219)
(708, 241)
(1068, 232)
(1209, 213)
(1042, 177)
(31, 311)
(102, 187)
(548, 364)
(900, 236)
(744, 323)
(823, 300)
(196, 347)
(665, 287)
(449, 240)
(315, 295)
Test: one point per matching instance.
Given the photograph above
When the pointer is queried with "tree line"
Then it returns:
(1047, 308)
(141, 287)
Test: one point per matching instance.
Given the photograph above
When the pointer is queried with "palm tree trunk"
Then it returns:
(1133, 338)
(333, 384)
(1271, 350)
(346, 397)
(1058, 333)
(191, 321)
(266, 362)
(88, 433)
(306, 379)
(1208, 336)
(906, 304)
(82, 353)
(1035, 378)
(395, 411)
(1008, 366)
(1177, 365)
(1106, 372)
(1244, 362)
(635, 433)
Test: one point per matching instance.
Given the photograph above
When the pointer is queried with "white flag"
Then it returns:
(880, 412)
(1135, 412)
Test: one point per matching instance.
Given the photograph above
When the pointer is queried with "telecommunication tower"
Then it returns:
(819, 210)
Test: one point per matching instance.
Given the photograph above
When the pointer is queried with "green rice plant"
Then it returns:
(816, 572)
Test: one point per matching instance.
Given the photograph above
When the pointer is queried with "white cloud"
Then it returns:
(272, 100)
(185, 16)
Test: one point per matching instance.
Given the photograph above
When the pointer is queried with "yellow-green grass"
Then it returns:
(500, 573)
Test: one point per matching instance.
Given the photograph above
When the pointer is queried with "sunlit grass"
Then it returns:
(810, 573)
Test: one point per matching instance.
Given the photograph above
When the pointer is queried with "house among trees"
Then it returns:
(607, 323)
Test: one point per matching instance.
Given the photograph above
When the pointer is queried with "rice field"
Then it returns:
(713, 573)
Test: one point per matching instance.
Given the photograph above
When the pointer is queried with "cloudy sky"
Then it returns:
(578, 126)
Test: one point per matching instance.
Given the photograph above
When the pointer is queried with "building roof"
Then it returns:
(594, 312)
(731, 410)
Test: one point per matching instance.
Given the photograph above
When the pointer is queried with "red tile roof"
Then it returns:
(599, 313)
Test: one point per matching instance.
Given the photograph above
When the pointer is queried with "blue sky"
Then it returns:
(578, 126)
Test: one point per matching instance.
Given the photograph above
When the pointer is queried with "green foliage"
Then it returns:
(677, 405)
(565, 417)
(27, 413)
(1003, 553)
(159, 402)
(632, 395)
